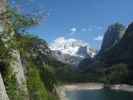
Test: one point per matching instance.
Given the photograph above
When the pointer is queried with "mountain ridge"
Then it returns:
(71, 51)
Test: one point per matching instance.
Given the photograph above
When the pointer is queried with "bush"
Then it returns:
(118, 74)
(48, 77)
(36, 87)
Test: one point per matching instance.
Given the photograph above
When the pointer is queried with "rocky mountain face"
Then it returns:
(112, 36)
(71, 51)
(16, 65)
(29, 67)
(66, 58)
(122, 51)
(23, 61)
(115, 63)
(2, 86)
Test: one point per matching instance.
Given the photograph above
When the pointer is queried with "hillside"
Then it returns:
(113, 64)
(71, 51)
(24, 60)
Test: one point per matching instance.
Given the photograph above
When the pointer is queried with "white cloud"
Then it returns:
(74, 29)
(98, 38)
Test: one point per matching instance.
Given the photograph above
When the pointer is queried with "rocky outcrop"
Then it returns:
(122, 51)
(2, 6)
(23, 60)
(82, 51)
(7, 38)
(112, 36)
(3, 93)
(18, 70)
(66, 58)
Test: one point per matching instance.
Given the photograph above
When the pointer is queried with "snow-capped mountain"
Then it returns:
(71, 51)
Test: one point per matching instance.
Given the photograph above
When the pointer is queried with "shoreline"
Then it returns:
(121, 87)
(61, 90)
(84, 86)
(98, 86)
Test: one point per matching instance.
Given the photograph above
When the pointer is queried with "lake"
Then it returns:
(99, 95)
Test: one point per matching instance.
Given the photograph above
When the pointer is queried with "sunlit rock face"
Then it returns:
(41, 47)
(71, 51)
(66, 58)
(7, 38)
(2, 6)
(112, 36)
(18, 69)
(3, 94)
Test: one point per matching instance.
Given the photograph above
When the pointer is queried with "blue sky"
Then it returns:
(86, 20)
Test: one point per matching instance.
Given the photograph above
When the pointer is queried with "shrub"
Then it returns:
(36, 87)
(118, 73)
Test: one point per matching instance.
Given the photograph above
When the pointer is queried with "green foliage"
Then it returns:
(18, 21)
(53, 97)
(37, 79)
(65, 74)
(36, 87)
(118, 73)
(48, 77)
(26, 43)
(12, 90)
(10, 81)
(4, 53)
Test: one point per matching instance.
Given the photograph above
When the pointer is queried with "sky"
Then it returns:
(86, 20)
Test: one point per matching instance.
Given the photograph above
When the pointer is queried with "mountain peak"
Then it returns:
(71, 50)
(70, 46)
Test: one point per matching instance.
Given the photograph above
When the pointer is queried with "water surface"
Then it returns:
(99, 95)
